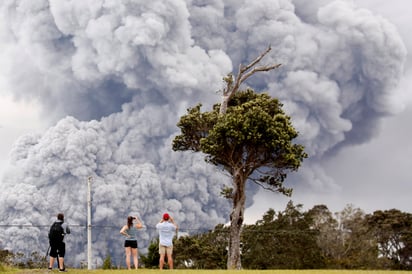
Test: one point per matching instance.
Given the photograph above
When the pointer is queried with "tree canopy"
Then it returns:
(254, 138)
(253, 141)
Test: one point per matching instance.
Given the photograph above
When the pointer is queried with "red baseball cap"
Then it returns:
(166, 216)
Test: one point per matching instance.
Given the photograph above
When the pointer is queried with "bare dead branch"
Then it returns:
(257, 60)
(265, 68)
(233, 84)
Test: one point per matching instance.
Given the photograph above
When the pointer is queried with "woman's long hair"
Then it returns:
(129, 221)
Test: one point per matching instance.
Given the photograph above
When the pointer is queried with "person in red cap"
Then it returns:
(166, 228)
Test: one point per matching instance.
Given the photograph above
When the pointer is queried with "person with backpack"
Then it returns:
(57, 246)
(129, 231)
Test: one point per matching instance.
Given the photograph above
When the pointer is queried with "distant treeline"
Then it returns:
(313, 239)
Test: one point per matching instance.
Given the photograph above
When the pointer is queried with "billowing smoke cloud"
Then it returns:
(115, 76)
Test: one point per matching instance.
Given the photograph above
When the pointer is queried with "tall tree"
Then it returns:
(359, 250)
(344, 240)
(252, 138)
(281, 241)
(328, 236)
(393, 231)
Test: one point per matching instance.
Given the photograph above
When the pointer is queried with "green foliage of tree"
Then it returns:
(203, 251)
(392, 229)
(33, 260)
(344, 239)
(359, 249)
(36, 260)
(281, 241)
(5, 257)
(107, 263)
(151, 260)
(252, 141)
(315, 239)
(322, 221)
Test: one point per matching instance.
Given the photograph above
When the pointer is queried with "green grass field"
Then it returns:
(184, 271)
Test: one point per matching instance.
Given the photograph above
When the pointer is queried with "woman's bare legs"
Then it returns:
(128, 251)
(135, 260)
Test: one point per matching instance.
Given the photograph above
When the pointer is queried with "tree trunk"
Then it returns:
(239, 177)
(236, 222)
(223, 105)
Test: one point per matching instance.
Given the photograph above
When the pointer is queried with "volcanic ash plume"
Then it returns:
(113, 78)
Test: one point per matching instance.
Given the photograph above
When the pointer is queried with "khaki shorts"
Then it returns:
(165, 250)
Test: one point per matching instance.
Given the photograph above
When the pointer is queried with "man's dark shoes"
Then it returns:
(63, 270)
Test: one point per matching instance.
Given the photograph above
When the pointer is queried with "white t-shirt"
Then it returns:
(166, 233)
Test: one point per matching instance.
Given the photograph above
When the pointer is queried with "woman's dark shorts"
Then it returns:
(132, 244)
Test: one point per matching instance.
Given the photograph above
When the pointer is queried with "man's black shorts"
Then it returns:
(58, 248)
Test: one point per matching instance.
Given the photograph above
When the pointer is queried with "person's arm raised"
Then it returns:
(138, 223)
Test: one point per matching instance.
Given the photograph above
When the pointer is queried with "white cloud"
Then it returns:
(16, 119)
(19, 115)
